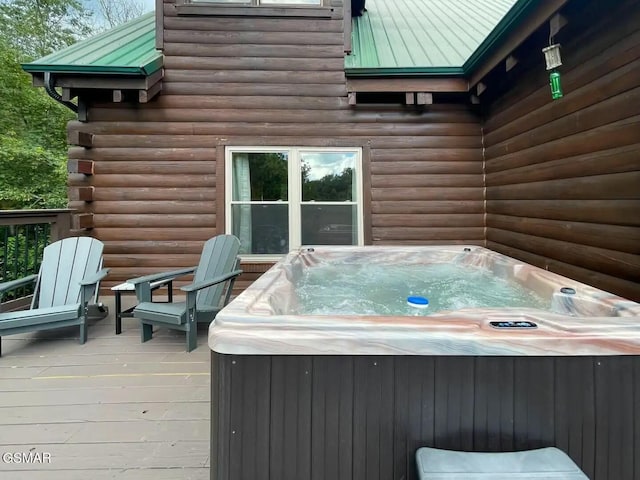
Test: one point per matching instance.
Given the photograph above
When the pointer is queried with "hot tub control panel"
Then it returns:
(518, 324)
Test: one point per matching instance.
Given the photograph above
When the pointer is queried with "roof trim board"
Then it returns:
(508, 23)
(144, 70)
(406, 72)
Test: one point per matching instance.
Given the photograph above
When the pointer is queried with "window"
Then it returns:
(263, 2)
(278, 199)
(262, 8)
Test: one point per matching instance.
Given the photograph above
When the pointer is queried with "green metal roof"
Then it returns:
(423, 37)
(125, 50)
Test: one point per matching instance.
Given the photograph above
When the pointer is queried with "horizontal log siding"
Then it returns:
(265, 81)
(563, 177)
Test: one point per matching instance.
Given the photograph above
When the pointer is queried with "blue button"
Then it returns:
(418, 300)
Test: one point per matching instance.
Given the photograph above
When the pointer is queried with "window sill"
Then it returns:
(225, 10)
(260, 258)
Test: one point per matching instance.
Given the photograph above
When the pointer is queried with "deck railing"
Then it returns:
(23, 236)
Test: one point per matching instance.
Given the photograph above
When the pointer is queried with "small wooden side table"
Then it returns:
(130, 288)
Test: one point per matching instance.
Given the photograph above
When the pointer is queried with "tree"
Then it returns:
(330, 188)
(33, 126)
(117, 12)
(32, 140)
(269, 173)
(28, 112)
(30, 175)
(36, 28)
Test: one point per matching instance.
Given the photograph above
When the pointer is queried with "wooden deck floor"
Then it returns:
(112, 408)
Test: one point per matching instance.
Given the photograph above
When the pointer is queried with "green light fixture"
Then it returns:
(556, 86)
(553, 60)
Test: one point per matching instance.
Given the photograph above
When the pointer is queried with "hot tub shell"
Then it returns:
(589, 322)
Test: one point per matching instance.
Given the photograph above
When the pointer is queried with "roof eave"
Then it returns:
(143, 70)
(405, 72)
(508, 23)
(154, 65)
(83, 70)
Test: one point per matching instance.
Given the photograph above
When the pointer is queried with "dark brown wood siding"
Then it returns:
(563, 177)
(265, 81)
(356, 418)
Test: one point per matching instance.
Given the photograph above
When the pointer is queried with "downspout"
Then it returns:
(51, 91)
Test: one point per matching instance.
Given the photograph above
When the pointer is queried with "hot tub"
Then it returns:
(332, 393)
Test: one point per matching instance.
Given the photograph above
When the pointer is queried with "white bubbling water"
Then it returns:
(358, 289)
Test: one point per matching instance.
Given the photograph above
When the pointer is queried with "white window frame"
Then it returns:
(294, 195)
(258, 3)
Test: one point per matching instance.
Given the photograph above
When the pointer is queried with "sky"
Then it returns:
(92, 5)
(323, 164)
(148, 4)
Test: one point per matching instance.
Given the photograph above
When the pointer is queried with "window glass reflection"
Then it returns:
(259, 177)
(262, 229)
(328, 176)
(329, 224)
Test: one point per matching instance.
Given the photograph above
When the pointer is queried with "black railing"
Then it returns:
(23, 236)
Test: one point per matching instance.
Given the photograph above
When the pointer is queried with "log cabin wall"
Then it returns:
(265, 81)
(563, 177)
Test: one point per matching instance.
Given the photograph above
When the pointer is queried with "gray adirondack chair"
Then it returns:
(205, 297)
(66, 283)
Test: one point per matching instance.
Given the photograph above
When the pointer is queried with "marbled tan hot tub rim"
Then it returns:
(591, 322)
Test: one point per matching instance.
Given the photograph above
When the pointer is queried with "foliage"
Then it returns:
(330, 188)
(23, 246)
(269, 172)
(22, 259)
(32, 140)
(38, 27)
(30, 175)
(32, 125)
(28, 112)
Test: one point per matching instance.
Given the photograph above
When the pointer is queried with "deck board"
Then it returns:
(112, 408)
